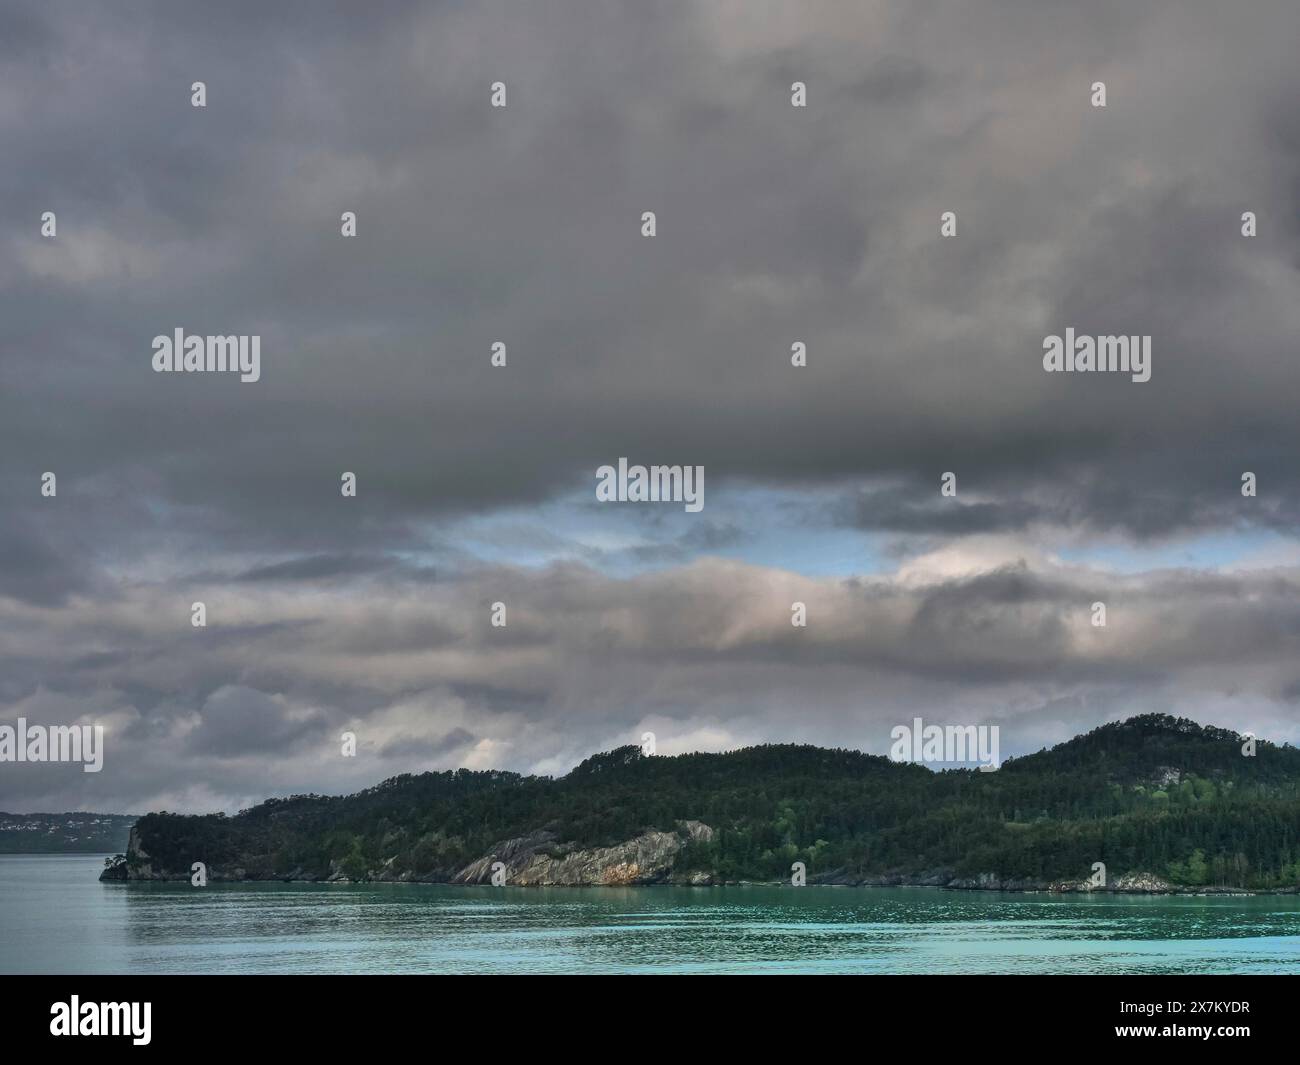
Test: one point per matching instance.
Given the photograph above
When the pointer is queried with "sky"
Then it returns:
(522, 225)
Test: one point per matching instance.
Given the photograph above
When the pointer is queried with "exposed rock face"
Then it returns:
(1129, 884)
(538, 860)
(1165, 775)
(138, 866)
(136, 856)
(1141, 883)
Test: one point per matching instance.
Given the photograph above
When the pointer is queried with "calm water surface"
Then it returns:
(55, 917)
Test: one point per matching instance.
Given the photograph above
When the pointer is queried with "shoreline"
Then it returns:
(1207, 891)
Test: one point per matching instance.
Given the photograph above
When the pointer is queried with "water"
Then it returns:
(55, 917)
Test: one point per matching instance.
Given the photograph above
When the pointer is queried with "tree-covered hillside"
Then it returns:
(1153, 794)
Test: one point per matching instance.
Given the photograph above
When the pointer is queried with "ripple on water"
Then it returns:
(56, 917)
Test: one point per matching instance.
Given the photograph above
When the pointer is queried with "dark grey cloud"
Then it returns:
(522, 225)
(317, 567)
(39, 562)
(1146, 500)
(237, 720)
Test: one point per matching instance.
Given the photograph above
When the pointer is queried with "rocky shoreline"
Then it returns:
(540, 860)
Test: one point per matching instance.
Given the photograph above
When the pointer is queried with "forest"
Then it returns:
(1154, 794)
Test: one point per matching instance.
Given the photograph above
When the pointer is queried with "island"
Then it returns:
(1151, 804)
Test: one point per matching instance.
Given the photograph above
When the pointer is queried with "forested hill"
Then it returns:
(1153, 795)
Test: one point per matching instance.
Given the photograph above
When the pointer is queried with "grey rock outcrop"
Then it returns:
(539, 860)
(1141, 884)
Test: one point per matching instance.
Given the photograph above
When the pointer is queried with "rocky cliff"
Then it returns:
(538, 860)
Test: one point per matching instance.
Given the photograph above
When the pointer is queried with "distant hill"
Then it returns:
(71, 833)
(1161, 801)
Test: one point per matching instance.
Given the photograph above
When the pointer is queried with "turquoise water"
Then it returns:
(55, 917)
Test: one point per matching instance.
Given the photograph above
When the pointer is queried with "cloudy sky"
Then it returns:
(476, 483)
